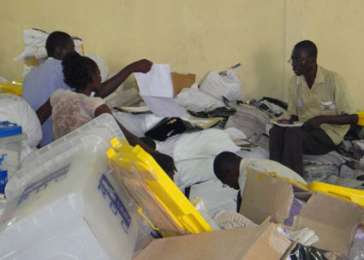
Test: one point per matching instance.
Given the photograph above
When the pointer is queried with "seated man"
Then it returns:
(318, 98)
(44, 80)
(230, 169)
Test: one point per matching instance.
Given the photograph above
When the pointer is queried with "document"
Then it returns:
(156, 89)
(157, 82)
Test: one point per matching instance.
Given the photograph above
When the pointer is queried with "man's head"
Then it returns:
(304, 57)
(59, 44)
(227, 168)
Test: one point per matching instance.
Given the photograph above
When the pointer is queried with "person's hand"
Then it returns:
(284, 121)
(292, 119)
(142, 66)
(312, 123)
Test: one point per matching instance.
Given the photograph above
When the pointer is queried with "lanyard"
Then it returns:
(299, 100)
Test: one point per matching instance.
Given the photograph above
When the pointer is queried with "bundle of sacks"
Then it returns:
(16, 110)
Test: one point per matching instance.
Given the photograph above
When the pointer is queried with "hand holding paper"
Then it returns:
(142, 66)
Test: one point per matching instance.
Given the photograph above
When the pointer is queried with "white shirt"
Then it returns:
(39, 84)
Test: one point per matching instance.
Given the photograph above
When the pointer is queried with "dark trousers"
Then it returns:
(287, 145)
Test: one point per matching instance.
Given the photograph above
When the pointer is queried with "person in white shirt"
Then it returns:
(71, 109)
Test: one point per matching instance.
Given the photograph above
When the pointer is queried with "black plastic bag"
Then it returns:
(301, 252)
(169, 127)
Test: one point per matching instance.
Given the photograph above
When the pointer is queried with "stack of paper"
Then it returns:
(156, 89)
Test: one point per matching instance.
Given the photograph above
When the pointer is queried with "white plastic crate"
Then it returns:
(77, 212)
(93, 136)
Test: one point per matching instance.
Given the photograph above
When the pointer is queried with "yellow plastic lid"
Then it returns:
(15, 88)
(361, 118)
(354, 195)
(157, 196)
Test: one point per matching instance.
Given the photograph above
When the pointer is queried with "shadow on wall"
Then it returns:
(269, 73)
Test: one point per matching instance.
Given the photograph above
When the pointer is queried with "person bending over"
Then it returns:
(71, 109)
(42, 81)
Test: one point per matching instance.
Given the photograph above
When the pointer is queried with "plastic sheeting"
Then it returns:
(222, 84)
(16, 110)
(252, 122)
(215, 195)
(193, 99)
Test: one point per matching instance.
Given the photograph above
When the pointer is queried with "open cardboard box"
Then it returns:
(262, 242)
(334, 220)
(181, 81)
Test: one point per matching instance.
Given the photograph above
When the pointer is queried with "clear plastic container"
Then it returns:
(78, 212)
(93, 136)
(11, 138)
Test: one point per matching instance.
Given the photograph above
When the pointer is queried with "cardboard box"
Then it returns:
(263, 242)
(333, 219)
(181, 81)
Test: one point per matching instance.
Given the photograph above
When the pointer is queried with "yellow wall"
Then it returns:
(200, 35)
(193, 36)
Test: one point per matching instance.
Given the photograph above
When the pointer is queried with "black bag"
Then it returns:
(301, 252)
(169, 127)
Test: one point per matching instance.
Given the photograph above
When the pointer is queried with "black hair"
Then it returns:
(308, 46)
(225, 162)
(78, 70)
(166, 162)
(57, 40)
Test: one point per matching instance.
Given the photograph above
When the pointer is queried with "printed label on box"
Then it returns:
(43, 183)
(115, 204)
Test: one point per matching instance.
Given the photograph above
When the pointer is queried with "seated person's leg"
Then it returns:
(317, 142)
(292, 156)
(276, 143)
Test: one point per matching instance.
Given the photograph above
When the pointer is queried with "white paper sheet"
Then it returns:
(164, 107)
(157, 82)
(156, 89)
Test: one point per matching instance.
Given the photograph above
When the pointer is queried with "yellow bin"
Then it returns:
(160, 201)
(361, 118)
(354, 195)
(15, 88)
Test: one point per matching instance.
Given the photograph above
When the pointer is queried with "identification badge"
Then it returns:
(300, 103)
(327, 105)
